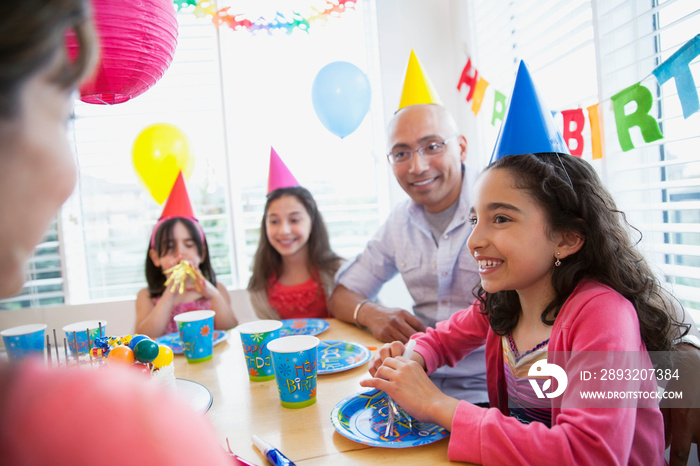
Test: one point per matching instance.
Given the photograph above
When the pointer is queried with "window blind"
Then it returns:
(584, 52)
(554, 37)
(656, 184)
(44, 285)
(115, 208)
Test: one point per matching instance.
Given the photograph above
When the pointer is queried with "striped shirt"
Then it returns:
(522, 400)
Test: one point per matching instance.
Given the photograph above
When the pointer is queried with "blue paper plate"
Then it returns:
(362, 418)
(303, 327)
(173, 340)
(338, 356)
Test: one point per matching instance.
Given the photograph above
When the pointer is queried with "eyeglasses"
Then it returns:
(430, 150)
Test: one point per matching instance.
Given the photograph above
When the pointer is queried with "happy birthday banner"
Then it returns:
(238, 22)
(677, 67)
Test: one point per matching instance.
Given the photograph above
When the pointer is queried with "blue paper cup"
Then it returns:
(255, 336)
(77, 335)
(295, 360)
(196, 330)
(25, 341)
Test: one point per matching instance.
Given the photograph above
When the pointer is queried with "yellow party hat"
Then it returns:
(417, 88)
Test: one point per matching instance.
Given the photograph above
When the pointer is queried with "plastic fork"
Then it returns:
(394, 412)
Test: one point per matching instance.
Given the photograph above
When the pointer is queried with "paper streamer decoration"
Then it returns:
(137, 44)
(159, 153)
(677, 66)
(341, 96)
(242, 21)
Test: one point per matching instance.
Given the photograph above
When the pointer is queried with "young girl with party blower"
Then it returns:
(294, 265)
(178, 271)
(561, 283)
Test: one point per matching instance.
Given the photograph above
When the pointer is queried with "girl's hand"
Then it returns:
(407, 383)
(205, 287)
(200, 284)
(389, 350)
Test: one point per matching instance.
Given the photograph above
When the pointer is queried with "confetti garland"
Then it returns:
(238, 21)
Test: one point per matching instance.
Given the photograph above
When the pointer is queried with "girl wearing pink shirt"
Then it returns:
(559, 276)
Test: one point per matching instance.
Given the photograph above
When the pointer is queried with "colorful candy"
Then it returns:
(146, 350)
(165, 357)
(139, 351)
(121, 354)
(137, 338)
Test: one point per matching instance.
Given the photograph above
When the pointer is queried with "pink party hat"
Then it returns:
(280, 176)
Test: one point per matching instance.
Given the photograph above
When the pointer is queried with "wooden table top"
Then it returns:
(242, 408)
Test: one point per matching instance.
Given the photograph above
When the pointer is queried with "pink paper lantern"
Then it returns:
(137, 44)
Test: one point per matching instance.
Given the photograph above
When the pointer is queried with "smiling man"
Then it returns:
(423, 239)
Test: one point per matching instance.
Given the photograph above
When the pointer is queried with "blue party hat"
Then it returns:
(528, 126)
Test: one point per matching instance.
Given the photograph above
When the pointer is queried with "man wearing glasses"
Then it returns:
(424, 239)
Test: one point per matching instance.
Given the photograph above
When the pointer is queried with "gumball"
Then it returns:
(135, 339)
(121, 355)
(146, 350)
(165, 357)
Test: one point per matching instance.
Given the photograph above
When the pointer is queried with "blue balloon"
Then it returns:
(341, 97)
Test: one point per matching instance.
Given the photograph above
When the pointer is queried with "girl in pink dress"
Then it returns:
(176, 237)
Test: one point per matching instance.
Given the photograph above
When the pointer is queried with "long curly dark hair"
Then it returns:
(575, 200)
(268, 262)
(164, 237)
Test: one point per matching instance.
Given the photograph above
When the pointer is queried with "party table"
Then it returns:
(242, 408)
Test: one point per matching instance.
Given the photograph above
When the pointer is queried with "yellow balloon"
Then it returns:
(161, 151)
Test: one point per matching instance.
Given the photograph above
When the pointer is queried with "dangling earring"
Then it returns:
(558, 262)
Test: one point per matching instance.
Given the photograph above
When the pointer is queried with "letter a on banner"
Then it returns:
(481, 86)
(640, 117)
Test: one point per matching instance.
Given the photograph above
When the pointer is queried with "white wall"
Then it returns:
(436, 31)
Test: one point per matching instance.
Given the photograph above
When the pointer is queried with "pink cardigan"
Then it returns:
(594, 318)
